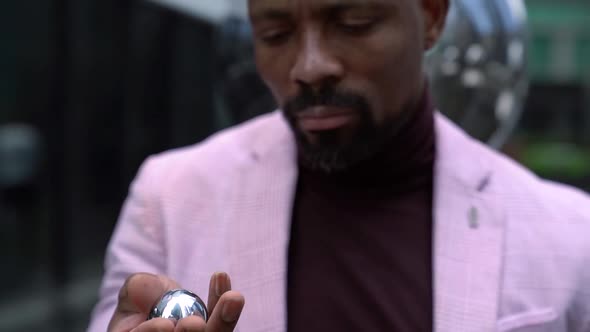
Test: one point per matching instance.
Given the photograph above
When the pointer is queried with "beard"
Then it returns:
(331, 151)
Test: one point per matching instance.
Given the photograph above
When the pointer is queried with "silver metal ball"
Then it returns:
(178, 304)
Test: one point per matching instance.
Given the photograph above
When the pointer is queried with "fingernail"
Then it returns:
(231, 311)
(220, 283)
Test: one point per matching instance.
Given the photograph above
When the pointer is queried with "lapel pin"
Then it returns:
(473, 218)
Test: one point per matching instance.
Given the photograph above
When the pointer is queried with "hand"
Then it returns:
(141, 291)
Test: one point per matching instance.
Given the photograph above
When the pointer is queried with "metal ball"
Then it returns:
(178, 304)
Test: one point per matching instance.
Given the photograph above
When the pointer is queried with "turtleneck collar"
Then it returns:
(405, 163)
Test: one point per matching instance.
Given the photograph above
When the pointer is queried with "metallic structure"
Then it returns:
(478, 69)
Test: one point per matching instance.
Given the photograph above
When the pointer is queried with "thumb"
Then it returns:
(137, 297)
(141, 291)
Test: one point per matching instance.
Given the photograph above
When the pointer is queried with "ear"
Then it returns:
(435, 14)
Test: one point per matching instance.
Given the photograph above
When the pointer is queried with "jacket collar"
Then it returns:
(468, 233)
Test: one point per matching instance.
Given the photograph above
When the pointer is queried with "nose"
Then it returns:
(315, 65)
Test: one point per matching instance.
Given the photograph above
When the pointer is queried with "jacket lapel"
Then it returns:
(468, 235)
(262, 205)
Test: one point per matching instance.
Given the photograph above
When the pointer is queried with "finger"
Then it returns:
(226, 313)
(141, 291)
(191, 324)
(155, 325)
(219, 284)
(136, 298)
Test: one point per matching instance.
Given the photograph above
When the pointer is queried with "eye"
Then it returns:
(358, 21)
(357, 25)
(273, 36)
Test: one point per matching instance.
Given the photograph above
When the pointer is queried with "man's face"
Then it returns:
(343, 71)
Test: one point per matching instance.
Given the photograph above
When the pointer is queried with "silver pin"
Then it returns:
(473, 218)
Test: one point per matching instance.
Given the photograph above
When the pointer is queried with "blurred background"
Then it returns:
(90, 88)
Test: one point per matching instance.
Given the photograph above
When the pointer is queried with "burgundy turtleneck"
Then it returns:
(360, 255)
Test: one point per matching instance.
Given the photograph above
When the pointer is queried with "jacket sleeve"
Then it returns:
(137, 244)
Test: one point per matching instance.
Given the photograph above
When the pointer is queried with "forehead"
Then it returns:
(260, 7)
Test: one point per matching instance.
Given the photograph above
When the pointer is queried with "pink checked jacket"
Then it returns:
(511, 251)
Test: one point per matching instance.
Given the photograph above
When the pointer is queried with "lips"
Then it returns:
(322, 118)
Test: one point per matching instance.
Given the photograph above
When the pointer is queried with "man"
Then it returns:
(357, 207)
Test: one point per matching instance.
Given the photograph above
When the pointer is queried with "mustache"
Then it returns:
(328, 96)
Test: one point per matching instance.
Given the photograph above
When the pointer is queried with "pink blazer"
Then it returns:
(511, 251)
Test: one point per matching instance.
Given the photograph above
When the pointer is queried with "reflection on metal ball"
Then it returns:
(178, 304)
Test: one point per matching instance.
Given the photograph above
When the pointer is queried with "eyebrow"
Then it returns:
(344, 7)
(330, 8)
(270, 14)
